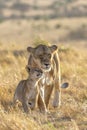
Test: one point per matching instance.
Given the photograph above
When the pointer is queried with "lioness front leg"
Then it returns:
(48, 92)
(57, 94)
(41, 104)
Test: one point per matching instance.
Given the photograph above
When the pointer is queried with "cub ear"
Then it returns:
(30, 49)
(27, 68)
(53, 48)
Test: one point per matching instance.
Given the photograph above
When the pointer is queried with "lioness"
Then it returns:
(27, 90)
(46, 58)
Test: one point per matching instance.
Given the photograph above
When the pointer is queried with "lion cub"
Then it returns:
(27, 90)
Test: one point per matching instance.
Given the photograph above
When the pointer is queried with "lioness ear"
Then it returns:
(30, 49)
(53, 48)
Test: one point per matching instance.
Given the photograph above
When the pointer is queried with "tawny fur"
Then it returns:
(46, 58)
(27, 90)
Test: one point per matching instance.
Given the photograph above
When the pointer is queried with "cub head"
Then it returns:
(34, 73)
(43, 55)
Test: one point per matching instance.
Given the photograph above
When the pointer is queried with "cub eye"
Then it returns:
(30, 103)
(36, 69)
(29, 69)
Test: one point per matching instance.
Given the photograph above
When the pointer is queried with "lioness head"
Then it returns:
(43, 55)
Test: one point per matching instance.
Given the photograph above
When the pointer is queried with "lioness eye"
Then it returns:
(49, 55)
(40, 56)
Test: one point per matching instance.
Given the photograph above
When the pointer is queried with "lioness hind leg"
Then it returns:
(57, 95)
(57, 98)
(48, 92)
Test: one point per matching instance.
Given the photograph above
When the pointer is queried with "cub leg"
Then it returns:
(14, 100)
(25, 106)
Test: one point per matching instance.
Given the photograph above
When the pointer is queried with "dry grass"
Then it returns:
(72, 115)
(17, 32)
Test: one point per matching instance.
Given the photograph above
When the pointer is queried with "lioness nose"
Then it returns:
(47, 64)
(41, 72)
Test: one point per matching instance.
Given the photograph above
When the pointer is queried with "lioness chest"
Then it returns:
(47, 79)
(49, 76)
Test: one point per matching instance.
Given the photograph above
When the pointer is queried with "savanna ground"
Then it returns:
(17, 31)
(72, 115)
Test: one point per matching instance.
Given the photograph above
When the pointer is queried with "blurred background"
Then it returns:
(57, 21)
(30, 22)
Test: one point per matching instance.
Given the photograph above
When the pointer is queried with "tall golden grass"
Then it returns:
(72, 113)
